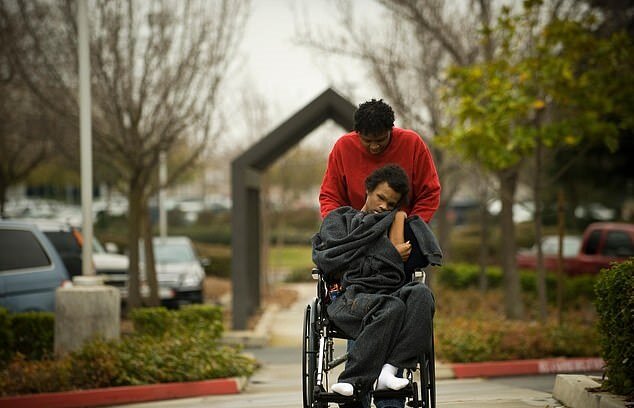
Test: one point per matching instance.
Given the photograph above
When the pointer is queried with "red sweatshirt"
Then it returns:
(349, 163)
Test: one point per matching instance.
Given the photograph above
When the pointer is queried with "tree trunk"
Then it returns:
(150, 264)
(561, 230)
(537, 219)
(134, 233)
(3, 198)
(514, 307)
(484, 241)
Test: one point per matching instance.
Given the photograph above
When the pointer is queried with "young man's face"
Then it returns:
(382, 198)
(375, 143)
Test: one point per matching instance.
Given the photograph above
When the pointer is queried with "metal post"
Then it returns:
(89, 308)
(85, 137)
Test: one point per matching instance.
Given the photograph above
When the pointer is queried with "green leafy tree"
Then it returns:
(545, 87)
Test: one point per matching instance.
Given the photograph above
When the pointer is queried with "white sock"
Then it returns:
(388, 379)
(345, 389)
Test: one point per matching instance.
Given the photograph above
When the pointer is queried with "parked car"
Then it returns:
(527, 258)
(179, 271)
(68, 241)
(113, 267)
(601, 244)
(31, 270)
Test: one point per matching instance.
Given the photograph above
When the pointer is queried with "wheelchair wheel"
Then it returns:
(309, 354)
(428, 379)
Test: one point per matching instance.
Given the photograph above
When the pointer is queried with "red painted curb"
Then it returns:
(123, 395)
(524, 367)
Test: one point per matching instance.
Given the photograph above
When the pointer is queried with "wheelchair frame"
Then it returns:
(318, 359)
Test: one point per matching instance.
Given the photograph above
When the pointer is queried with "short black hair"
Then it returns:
(395, 177)
(373, 117)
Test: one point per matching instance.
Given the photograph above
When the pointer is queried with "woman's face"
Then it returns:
(382, 198)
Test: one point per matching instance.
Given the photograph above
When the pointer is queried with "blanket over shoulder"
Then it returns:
(354, 247)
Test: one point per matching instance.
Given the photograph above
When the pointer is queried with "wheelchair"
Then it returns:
(319, 359)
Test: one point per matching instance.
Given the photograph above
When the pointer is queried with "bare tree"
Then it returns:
(25, 129)
(25, 125)
(157, 72)
(407, 55)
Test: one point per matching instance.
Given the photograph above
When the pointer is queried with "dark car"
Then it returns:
(68, 241)
(31, 270)
(179, 271)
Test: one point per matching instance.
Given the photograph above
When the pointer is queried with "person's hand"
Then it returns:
(404, 250)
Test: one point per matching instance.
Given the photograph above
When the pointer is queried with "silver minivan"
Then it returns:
(30, 268)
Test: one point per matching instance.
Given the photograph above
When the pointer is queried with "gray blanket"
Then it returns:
(354, 247)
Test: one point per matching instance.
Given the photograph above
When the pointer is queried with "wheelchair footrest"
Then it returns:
(323, 396)
(405, 392)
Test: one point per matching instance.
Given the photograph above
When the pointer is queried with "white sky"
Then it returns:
(286, 75)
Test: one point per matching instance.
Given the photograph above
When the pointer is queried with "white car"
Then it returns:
(112, 267)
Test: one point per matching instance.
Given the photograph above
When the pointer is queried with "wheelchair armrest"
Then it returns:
(419, 275)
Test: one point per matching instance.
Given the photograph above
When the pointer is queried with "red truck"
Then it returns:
(601, 244)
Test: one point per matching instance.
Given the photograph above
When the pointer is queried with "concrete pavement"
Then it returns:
(279, 385)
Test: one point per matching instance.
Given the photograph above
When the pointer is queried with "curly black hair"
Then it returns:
(373, 117)
(396, 178)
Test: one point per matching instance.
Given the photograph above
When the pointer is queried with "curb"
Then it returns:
(572, 390)
(526, 367)
(126, 394)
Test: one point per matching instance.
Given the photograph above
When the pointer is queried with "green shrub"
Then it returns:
(167, 346)
(28, 377)
(219, 266)
(97, 364)
(204, 319)
(6, 337)
(152, 321)
(144, 360)
(473, 340)
(615, 307)
(33, 334)
(160, 322)
(462, 276)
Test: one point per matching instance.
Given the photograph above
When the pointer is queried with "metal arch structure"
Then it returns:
(246, 170)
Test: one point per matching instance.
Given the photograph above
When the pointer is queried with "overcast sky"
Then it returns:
(287, 75)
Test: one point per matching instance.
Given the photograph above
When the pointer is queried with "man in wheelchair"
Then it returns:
(367, 258)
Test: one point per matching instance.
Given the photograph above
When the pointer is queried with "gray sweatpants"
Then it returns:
(394, 329)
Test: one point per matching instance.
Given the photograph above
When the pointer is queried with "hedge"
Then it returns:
(166, 346)
(29, 333)
(160, 322)
(463, 276)
(472, 340)
(615, 307)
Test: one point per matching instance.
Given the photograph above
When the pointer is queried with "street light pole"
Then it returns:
(85, 137)
(89, 308)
